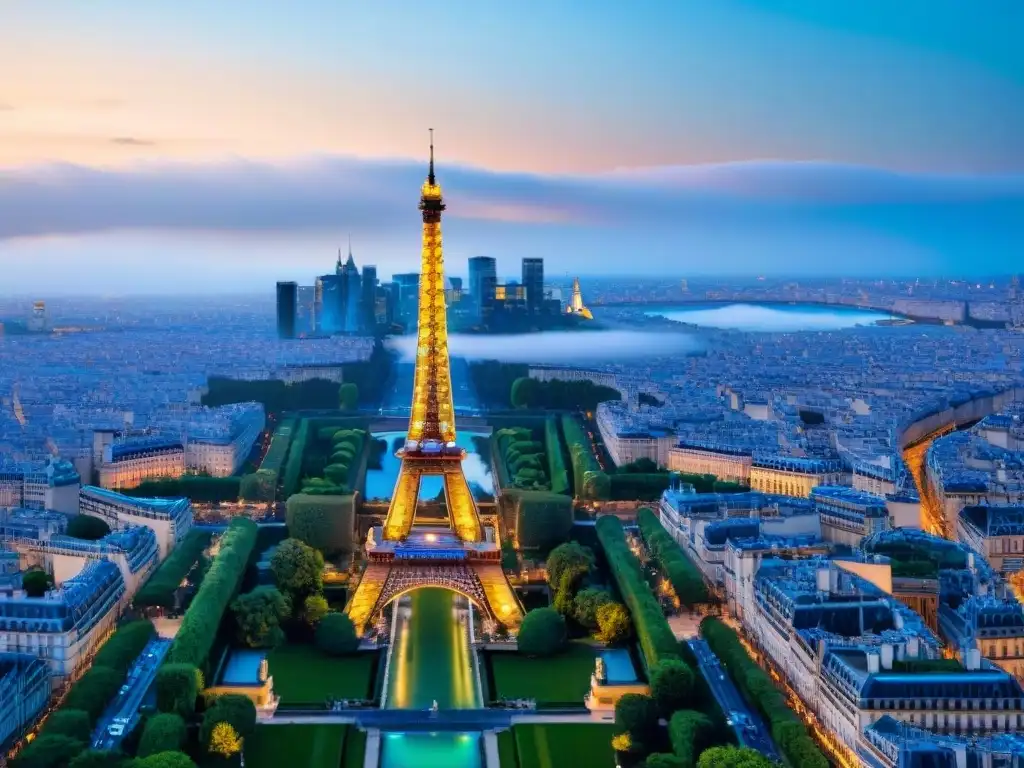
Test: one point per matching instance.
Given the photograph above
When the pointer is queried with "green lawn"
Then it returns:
(310, 746)
(555, 746)
(303, 675)
(507, 750)
(355, 748)
(559, 679)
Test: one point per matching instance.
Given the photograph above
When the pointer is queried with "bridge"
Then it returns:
(459, 720)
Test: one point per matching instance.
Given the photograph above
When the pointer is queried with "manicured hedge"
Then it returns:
(198, 629)
(638, 486)
(262, 484)
(788, 731)
(543, 519)
(198, 488)
(656, 638)
(685, 577)
(164, 732)
(94, 690)
(160, 588)
(125, 645)
(581, 456)
(327, 523)
(293, 467)
(556, 457)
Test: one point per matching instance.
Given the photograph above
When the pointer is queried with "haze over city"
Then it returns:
(726, 138)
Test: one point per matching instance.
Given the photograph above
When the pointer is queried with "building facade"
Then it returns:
(132, 461)
(848, 515)
(63, 627)
(24, 692)
(728, 466)
(170, 519)
(794, 476)
(287, 309)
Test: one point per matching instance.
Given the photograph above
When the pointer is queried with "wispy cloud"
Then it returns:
(327, 191)
(131, 141)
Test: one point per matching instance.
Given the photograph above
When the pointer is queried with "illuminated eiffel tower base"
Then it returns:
(403, 556)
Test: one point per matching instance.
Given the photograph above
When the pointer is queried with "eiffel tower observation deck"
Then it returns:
(464, 557)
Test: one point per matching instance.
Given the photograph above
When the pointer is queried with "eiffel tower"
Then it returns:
(403, 556)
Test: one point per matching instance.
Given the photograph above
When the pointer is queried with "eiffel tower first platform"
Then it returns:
(464, 557)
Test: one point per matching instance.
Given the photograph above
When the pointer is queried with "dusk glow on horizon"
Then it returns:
(722, 137)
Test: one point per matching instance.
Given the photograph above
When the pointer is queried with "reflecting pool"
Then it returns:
(431, 662)
(380, 483)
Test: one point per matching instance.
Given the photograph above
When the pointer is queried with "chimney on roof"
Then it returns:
(873, 663)
(972, 659)
(886, 656)
(823, 580)
(913, 648)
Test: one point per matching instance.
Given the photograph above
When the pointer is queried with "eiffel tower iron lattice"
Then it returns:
(402, 560)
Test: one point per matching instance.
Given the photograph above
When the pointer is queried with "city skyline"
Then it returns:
(726, 139)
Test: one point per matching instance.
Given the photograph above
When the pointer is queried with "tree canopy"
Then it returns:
(732, 757)
(297, 567)
(542, 633)
(259, 614)
(87, 527)
(36, 582)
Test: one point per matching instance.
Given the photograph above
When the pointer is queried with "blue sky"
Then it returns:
(557, 123)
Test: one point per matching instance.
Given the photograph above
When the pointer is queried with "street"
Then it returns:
(125, 708)
(749, 728)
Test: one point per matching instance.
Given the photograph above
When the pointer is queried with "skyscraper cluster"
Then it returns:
(342, 301)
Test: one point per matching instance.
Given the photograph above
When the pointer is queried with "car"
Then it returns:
(721, 675)
(124, 689)
(116, 729)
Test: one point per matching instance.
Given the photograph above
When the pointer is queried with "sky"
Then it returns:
(196, 146)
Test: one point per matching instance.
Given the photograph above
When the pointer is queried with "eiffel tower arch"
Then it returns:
(402, 556)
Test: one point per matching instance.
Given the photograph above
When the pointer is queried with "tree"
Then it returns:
(94, 690)
(525, 392)
(585, 605)
(613, 623)
(690, 732)
(664, 760)
(298, 568)
(671, 685)
(336, 634)
(224, 741)
(234, 709)
(36, 582)
(166, 760)
(260, 485)
(733, 757)
(542, 633)
(259, 614)
(100, 758)
(637, 715)
(164, 732)
(49, 751)
(177, 686)
(314, 609)
(87, 527)
(597, 486)
(348, 396)
(70, 722)
(641, 466)
(569, 558)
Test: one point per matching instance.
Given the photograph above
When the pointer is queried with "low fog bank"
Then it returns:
(561, 347)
